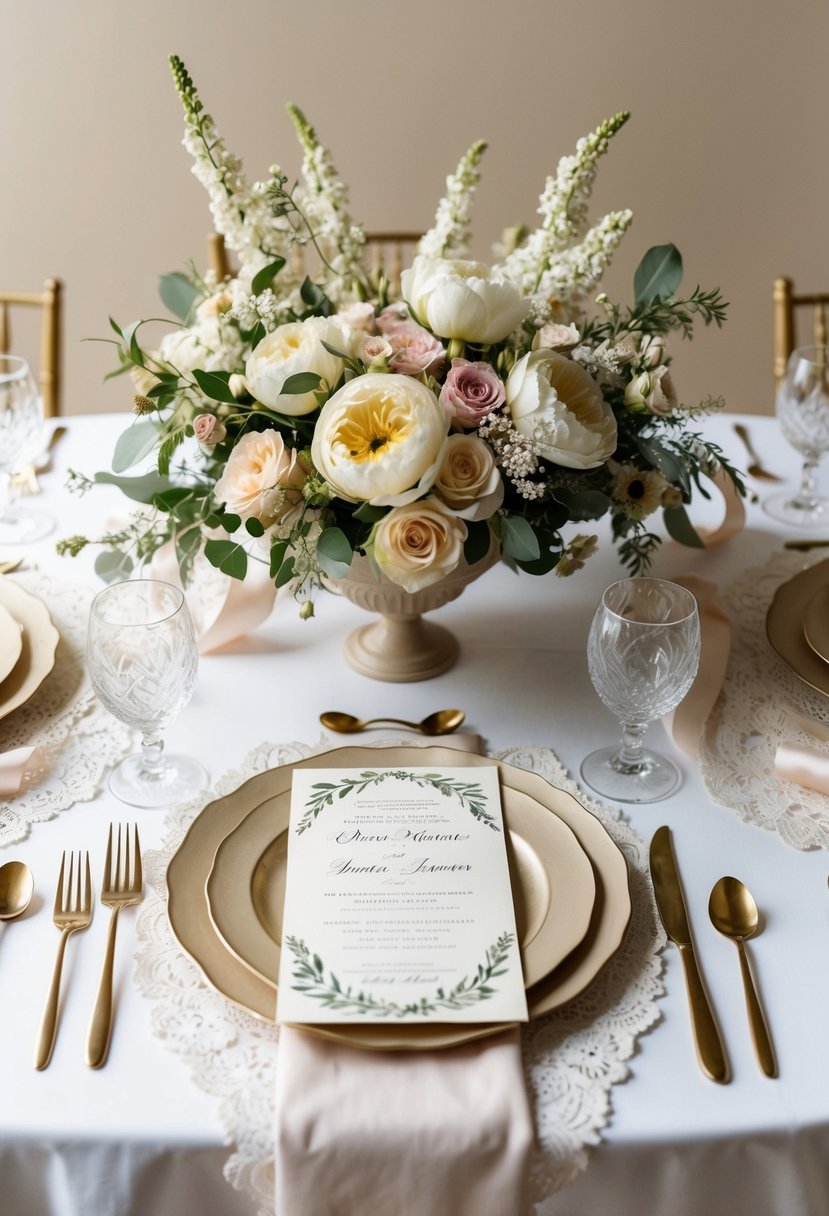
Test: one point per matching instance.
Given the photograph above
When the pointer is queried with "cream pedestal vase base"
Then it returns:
(401, 647)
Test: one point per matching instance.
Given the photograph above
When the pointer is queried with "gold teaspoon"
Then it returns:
(733, 913)
(16, 887)
(443, 722)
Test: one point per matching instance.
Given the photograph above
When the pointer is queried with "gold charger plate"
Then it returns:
(189, 913)
(39, 639)
(11, 642)
(785, 626)
(816, 623)
(552, 882)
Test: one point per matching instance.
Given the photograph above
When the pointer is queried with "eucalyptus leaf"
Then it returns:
(136, 442)
(681, 529)
(334, 553)
(214, 386)
(265, 277)
(139, 489)
(178, 294)
(285, 572)
(301, 382)
(478, 540)
(518, 540)
(254, 527)
(584, 504)
(227, 556)
(113, 566)
(658, 275)
(367, 514)
(230, 522)
(278, 550)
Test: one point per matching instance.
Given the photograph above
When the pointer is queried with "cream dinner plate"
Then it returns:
(785, 626)
(189, 911)
(816, 623)
(11, 642)
(552, 881)
(39, 641)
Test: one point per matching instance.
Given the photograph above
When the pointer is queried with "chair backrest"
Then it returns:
(786, 304)
(49, 301)
(388, 252)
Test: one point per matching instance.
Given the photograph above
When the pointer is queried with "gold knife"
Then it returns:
(669, 900)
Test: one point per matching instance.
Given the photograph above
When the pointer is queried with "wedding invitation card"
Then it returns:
(398, 905)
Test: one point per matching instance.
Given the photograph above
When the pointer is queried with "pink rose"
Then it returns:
(471, 391)
(356, 315)
(392, 317)
(414, 350)
(208, 429)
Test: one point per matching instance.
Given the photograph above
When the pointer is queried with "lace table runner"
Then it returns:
(572, 1057)
(77, 741)
(757, 709)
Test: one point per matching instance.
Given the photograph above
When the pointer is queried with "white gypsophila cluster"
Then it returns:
(450, 234)
(241, 212)
(514, 455)
(247, 309)
(562, 207)
(578, 271)
(323, 200)
(212, 344)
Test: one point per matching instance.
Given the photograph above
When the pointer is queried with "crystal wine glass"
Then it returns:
(642, 654)
(21, 436)
(143, 658)
(803, 410)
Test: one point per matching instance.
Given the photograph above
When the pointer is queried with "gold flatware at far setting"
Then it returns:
(755, 469)
(11, 564)
(122, 886)
(733, 913)
(671, 904)
(803, 546)
(16, 888)
(443, 722)
(73, 911)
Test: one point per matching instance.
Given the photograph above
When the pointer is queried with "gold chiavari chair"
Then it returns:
(786, 304)
(49, 300)
(388, 252)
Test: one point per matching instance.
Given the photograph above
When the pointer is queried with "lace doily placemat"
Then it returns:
(77, 741)
(757, 709)
(572, 1057)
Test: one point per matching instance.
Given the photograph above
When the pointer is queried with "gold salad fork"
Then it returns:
(122, 886)
(73, 911)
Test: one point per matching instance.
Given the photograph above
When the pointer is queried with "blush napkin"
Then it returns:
(422, 1133)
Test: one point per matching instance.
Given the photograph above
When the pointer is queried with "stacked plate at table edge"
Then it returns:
(565, 941)
(797, 625)
(28, 643)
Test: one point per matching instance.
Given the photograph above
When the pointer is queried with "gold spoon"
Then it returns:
(734, 913)
(16, 887)
(441, 723)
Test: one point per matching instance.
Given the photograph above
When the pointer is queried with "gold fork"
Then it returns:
(73, 911)
(122, 886)
(755, 469)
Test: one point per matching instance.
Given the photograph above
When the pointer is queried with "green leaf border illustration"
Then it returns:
(310, 975)
(469, 793)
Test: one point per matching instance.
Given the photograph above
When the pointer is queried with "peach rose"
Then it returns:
(418, 544)
(469, 481)
(262, 478)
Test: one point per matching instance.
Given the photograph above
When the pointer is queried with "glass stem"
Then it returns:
(629, 757)
(806, 496)
(152, 753)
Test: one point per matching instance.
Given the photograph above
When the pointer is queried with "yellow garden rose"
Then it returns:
(380, 439)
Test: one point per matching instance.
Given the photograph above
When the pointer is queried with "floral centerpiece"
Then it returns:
(301, 414)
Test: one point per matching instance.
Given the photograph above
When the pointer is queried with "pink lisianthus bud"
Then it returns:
(471, 391)
(208, 429)
(414, 350)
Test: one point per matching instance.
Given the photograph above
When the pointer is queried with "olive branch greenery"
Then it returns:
(469, 794)
(310, 975)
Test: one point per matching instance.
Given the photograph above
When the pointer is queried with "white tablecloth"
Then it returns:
(139, 1138)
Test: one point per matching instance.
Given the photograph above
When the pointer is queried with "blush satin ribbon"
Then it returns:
(422, 1133)
(804, 765)
(12, 767)
(686, 722)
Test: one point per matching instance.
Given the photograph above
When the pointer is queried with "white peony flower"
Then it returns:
(289, 350)
(469, 481)
(418, 544)
(557, 405)
(380, 439)
(262, 479)
(458, 299)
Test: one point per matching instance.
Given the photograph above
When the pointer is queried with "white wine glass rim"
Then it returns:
(13, 367)
(138, 582)
(672, 620)
(811, 354)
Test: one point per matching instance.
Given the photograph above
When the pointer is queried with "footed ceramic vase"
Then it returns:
(401, 647)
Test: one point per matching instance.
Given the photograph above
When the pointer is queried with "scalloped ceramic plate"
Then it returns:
(785, 626)
(39, 641)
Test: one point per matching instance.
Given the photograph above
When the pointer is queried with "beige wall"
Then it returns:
(725, 155)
